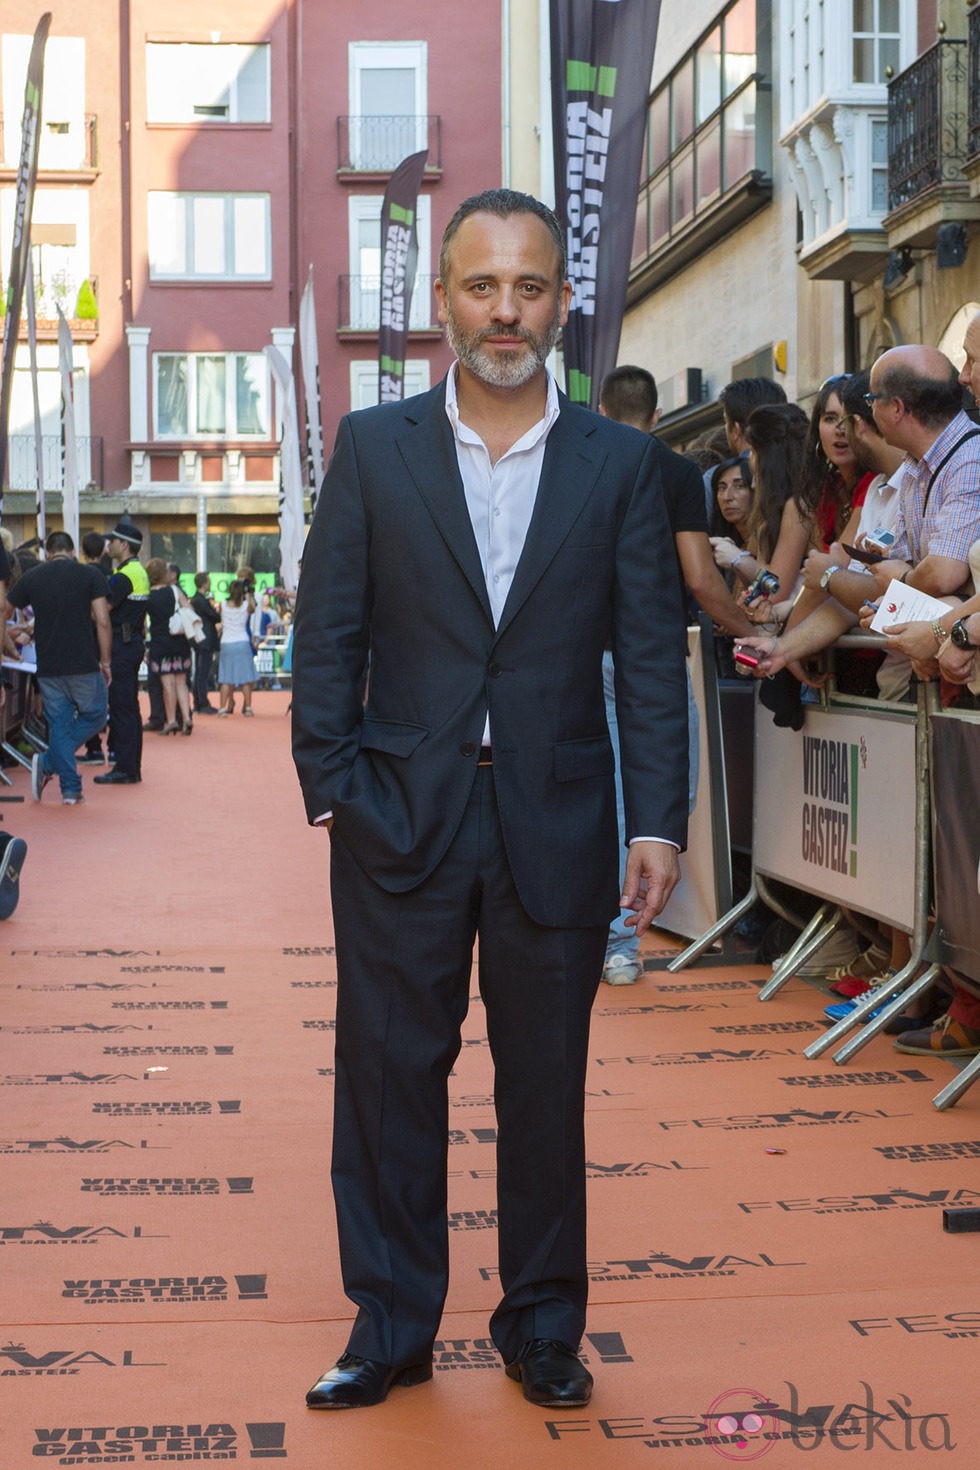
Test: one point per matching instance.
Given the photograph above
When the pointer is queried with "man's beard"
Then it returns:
(502, 370)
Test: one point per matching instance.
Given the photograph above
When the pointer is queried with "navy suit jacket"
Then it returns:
(396, 659)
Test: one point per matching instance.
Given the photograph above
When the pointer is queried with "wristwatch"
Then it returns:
(960, 636)
(828, 572)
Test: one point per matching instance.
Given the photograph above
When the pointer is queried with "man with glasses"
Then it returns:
(916, 399)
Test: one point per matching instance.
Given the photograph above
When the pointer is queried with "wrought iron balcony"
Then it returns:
(22, 461)
(377, 145)
(927, 123)
(973, 85)
(359, 304)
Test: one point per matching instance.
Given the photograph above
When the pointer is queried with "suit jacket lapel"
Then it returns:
(571, 467)
(426, 445)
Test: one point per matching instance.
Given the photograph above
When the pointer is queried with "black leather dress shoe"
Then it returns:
(551, 1374)
(356, 1383)
(116, 778)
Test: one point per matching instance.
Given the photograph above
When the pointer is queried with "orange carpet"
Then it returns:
(770, 1274)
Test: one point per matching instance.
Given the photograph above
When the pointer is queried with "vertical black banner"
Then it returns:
(601, 61)
(20, 255)
(399, 258)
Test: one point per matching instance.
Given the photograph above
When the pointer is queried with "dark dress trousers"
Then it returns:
(429, 852)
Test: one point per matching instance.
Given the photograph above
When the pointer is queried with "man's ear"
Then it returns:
(440, 291)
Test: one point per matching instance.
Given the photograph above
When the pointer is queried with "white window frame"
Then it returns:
(178, 52)
(156, 199)
(231, 408)
(366, 208)
(364, 380)
(374, 56)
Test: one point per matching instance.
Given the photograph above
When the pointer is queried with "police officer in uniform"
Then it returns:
(129, 589)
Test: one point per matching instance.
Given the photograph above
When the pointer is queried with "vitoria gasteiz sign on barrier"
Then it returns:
(835, 808)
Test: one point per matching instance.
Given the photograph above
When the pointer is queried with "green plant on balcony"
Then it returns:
(86, 307)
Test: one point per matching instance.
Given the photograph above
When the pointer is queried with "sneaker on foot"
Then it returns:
(74, 798)
(844, 1008)
(945, 1038)
(39, 776)
(620, 970)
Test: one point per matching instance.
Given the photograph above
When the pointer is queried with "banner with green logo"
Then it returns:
(601, 61)
(20, 254)
(399, 259)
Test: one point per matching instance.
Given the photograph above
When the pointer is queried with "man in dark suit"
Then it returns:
(476, 548)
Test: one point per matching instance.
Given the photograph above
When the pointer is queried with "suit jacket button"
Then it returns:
(495, 671)
(467, 748)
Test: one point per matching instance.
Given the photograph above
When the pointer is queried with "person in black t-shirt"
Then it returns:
(13, 850)
(72, 675)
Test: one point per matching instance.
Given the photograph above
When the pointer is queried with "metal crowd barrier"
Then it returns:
(901, 804)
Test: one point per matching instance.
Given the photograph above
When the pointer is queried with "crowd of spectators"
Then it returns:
(191, 643)
(879, 485)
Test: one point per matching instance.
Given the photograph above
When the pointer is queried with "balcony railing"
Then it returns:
(359, 304)
(973, 137)
(927, 122)
(22, 461)
(374, 144)
(65, 145)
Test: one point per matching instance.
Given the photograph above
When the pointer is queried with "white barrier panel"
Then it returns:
(693, 905)
(835, 808)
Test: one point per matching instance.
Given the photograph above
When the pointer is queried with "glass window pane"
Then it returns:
(388, 91)
(864, 61)
(879, 142)
(709, 76)
(682, 188)
(659, 129)
(708, 158)
(682, 104)
(660, 210)
(167, 219)
(210, 395)
(888, 56)
(879, 189)
(212, 69)
(739, 137)
(640, 228)
(172, 395)
(209, 235)
(252, 90)
(740, 34)
(251, 254)
(888, 16)
(864, 15)
(251, 394)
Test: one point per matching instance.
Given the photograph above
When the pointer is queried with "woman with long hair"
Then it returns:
(236, 666)
(731, 499)
(830, 471)
(780, 522)
(168, 654)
